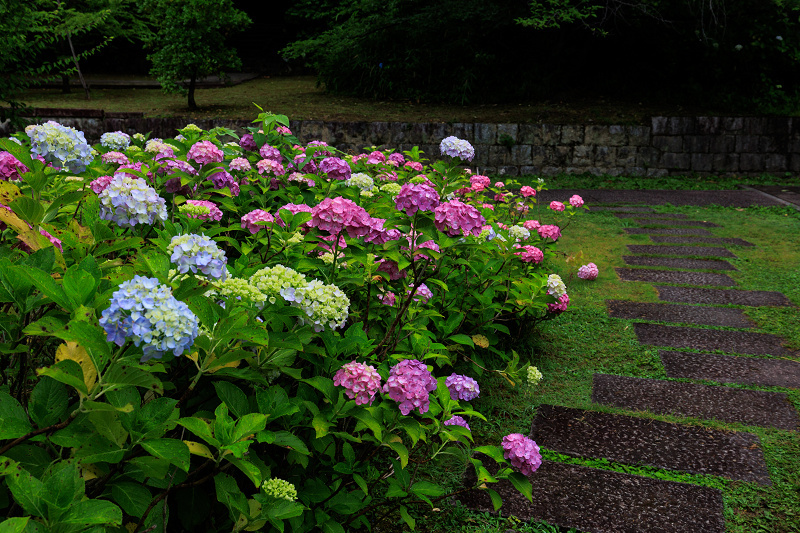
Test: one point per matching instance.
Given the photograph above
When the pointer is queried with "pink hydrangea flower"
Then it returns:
(458, 218)
(575, 200)
(479, 182)
(270, 152)
(588, 272)
(337, 214)
(359, 380)
(391, 268)
(283, 130)
(137, 166)
(387, 176)
(293, 209)
(240, 163)
(430, 245)
(389, 299)
(487, 206)
(530, 254)
(462, 387)
(556, 206)
(413, 165)
(304, 163)
(527, 191)
(522, 453)
(415, 197)
(249, 221)
(205, 152)
(499, 184)
(222, 179)
(297, 176)
(171, 165)
(115, 157)
(335, 168)
(397, 158)
(322, 145)
(549, 232)
(213, 211)
(456, 420)
(376, 158)
(409, 384)
(247, 142)
(560, 306)
(359, 157)
(100, 184)
(421, 294)
(270, 166)
(53, 240)
(378, 234)
(531, 225)
(11, 167)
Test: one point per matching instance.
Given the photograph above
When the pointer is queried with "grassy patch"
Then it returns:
(697, 183)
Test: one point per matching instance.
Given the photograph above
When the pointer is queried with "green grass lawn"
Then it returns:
(585, 340)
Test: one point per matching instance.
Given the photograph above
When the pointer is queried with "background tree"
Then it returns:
(188, 41)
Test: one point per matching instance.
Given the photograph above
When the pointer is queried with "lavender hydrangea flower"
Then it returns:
(148, 313)
(456, 420)
(205, 152)
(457, 218)
(522, 453)
(416, 197)
(198, 252)
(462, 387)
(455, 147)
(130, 201)
(247, 142)
(270, 152)
(421, 293)
(588, 272)
(57, 144)
(409, 384)
(221, 179)
(335, 168)
(359, 380)
(115, 140)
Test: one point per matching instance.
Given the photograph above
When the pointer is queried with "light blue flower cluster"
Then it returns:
(198, 253)
(115, 140)
(129, 201)
(60, 145)
(146, 311)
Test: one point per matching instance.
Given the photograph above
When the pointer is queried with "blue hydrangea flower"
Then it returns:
(146, 311)
(129, 201)
(60, 145)
(115, 140)
(198, 252)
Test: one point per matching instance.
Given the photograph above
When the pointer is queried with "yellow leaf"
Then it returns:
(131, 527)
(193, 356)
(8, 192)
(198, 448)
(71, 350)
(12, 220)
(480, 340)
(90, 472)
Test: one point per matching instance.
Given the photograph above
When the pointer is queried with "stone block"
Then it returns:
(598, 135)
(400, 131)
(605, 156)
(657, 172)
(709, 125)
(698, 144)
(775, 163)
(725, 162)
(681, 126)
(626, 156)
(753, 126)
(752, 162)
(776, 126)
(675, 161)
(433, 133)
(464, 131)
(562, 154)
(311, 130)
(794, 163)
(794, 143)
(499, 156)
(773, 143)
(615, 171)
(512, 130)
(485, 133)
(572, 134)
(733, 124)
(551, 134)
(722, 144)
(659, 125)
(379, 133)
(551, 171)
(647, 156)
(702, 162)
(747, 143)
(636, 171)
(481, 155)
(529, 170)
(488, 170)
(521, 154)
(530, 134)
(668, 143)
(638, 135)
(618, 136)
(582, 155)
(509, 170)
(538, 155)
(576, 170)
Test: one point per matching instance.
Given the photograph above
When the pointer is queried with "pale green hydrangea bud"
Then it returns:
(132, 149)
(280, 489)
(194, 210)
(240, 289)
(190, 128)
(418, 179)
(362, 181)
(297, 238)
(391, 188)
(534, 376)
(138, 137)
(366, 194)
(519, 233)
(271, 280)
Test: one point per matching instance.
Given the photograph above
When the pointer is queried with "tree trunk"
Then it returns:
(78, 67)
(192, 81)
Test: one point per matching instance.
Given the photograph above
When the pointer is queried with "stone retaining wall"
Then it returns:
(668, 146)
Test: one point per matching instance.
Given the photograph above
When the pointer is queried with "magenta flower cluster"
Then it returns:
(522, 453)
(293, 209)
(527, 191)
(359, 380)
(560, 306)
(456, 420)
(458, 218)
(462, 387)
(205, 152)
(556, 206)
(421, 293)
(335, 168)
(409, 384)
(530, 254)
(335, 215)
(575, 201)
(549, 232)
(415, 197)
(11, 167)
(588, 272)
(251, 219)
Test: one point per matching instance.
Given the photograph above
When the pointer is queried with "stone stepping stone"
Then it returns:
(749, 407)
(642, 441)
(700, 240)
(707, 251)
(698, 232)
(711, 339)
(670, 276)
(623, 209)
(671, 222)
(602, 501)
(732, 369)
(674, 262)
(662, 216)
(687, 314)
(693, 295)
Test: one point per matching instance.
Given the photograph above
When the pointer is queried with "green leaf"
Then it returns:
(286, 439)
(495, 452)
(462, 339)
(407, 517)
(332, 527)
(365, 416)
(249, 425)
(14, 525)
(28, 210)
(401, 451)
(132, 497)
(119, 376)
(426, 488)
(46, 285)
(249, 469)
(497, 500)
(108, 424)
(45, 326)
(79, 286)
(99, 449)
(90, 512)
(522, 484)
(68, 372)
(173, 450)
(13, 419)
(321, 425)
(62, 487)
(229, 494)
(201, 428)
(89, 336)
(27, 492)
(234, 398)
(49, 402)
(324, 385)
(131, 243)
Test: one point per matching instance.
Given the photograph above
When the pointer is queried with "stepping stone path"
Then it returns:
(595, 500)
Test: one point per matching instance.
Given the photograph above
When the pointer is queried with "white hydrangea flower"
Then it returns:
(556, 286)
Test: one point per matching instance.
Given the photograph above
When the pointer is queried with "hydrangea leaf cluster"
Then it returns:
(130, 201)
(60, 145)
(147, 312)
(193, 252)
(361, 382)
(410, 384)
(522, 453)
(462, 387)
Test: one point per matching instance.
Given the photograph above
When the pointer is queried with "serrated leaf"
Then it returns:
(90, 512)
(522, 484)
(173, 450)
(134, 498)
(71, 351)
(119, 376)
(68, 372)
(198, 448)
(49, 402)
